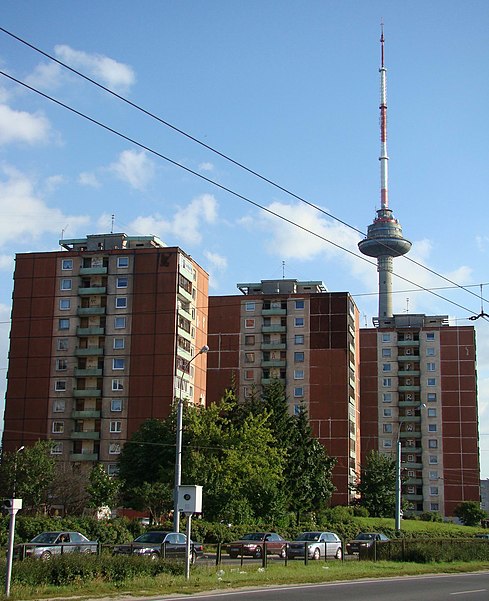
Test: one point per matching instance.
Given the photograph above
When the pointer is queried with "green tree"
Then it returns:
(102, 489)
(469, 513)
(377, 486)
(69, 489)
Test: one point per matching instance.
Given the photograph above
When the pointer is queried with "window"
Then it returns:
(411, 490)
(433, 475)
(63, 324)
(387, 412)
(118, 363)
(411, 458)
(60, 385)
(299, 339)
(430, 335)
(112, 469)
(431, 366)
(249, 323)
(122, 261)
(121, 282)
(386, 337)
(249, 339)
(61, 364)
(57, 449)
(386, 352)
(298, 374)
(58, 427)
(67, 264)
(64, 304)
(386, 382)
(386, 366)
(120, 302)
(297, 409)
(387, 443)
(116, 405)
(114, 448)
(430, 351)
(431, 412)
(431, 427)
(250, 306)
(115, 426)
(66, 284)
(248, 374)
(299, 357)
(431, 397)
(387, 397)
(434, 507)
(62, 344)
(119, 343)
(299, 304)
(249, 357)
(433, 491)
(431, 382)
(387, 428)
(247, 392)
(117, 384)
(432, 443)
(58, 406)
(119, 323)
(299, 322)
(433, 459)
(298, 391)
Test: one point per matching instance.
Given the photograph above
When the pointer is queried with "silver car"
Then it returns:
(47, 544)
(319, 545)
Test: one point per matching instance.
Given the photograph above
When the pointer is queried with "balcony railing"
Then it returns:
(92, 290)
(87, 392)
(83, 457)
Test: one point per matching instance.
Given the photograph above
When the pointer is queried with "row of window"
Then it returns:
(431, 397)
(387, 382)
(388, 366)
(120, 322)
(59, 427)
(249, 374)
(67, 264)
(114, 449)
(67, 283)
(431, 411)
(387, 336)
(430, 352)
(298, 357)
(250, 322)
(250, 339)
(251, 305)
(117, 383)
(59, 405)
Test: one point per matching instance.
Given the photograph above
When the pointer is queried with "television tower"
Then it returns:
(384, 239)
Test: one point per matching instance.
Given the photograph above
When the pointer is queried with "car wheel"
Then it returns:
(258, 553)
(283, 553)
(87, 551)
(339, 553)
(317, 554)
(154, 556)
(193, 557)
(45, 555)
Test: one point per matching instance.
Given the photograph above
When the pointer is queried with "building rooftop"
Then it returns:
(282, 287)
(111, 241)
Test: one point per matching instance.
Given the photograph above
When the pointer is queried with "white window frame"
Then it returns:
(386, 337)
(114, 448)
(387, 382)
(119, 344)
(64, 304)
(61, 364)
(299, 304)
(431, 411)
(62, 344)
(387, 397)
(66, 284)
(67, 264)
(117, 384)
(432, 443)
(431, 382)
(112, 469)
(64, 323)
(431, 366)
(58, 427)
(386, 352)
(298, 338)
(298, 374)
(386, 366)
(298, 392)
(250, 305)
(387, 428)
(122, 282)
(120, 319)
(433, 459)
(387, 412)
(60, 386)
(121, 302)
(431, 397)
(299, 357)
(115, 426)
(299, 322)
(116, 405)
(387, 443)
(59, 406)
(118, 363)
(57, 448)
(430, 351)
(432, 427)
(121, 261)
(250, 322)
(430, 335)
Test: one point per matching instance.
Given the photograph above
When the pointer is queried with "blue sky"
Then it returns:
(291, 90)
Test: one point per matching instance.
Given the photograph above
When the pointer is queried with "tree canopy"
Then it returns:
(377, 486)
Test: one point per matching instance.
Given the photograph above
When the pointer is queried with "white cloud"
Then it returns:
(133, 167)
(25, 215)
(116, 76)
(206, 167)
(46, 76)
(186, 224)
(88, 179)
(20, 126)
(482, 242)
(53, 183)
(217, 261)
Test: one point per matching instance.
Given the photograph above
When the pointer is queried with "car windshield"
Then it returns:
(309, 536)
(151, 537)
(45, 537)
(366, 536)
(254, 536)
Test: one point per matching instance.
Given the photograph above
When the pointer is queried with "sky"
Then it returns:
(290, 90)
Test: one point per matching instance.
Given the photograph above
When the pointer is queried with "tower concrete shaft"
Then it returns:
(384, 239)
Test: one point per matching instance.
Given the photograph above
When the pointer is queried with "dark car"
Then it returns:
(364, 540)
(160, 544)
(253, 544)
(319, 544)
(47, 544)
(482, 536)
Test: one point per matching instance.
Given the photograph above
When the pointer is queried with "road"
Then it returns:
(442, 587)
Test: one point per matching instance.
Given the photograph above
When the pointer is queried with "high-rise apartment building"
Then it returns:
(101, 336)
(419, 386)
(306, 337)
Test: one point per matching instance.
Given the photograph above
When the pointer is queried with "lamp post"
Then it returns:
(12, 505)
(178, 445)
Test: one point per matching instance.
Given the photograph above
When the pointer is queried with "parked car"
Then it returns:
(253, 544)
(160, 544)
(482, 536)
(47, 544)
(319, 544)
(364, 540)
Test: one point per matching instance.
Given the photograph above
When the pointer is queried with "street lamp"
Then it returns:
(178, 445)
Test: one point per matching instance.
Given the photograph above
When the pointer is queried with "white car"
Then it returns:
(47, 544)
(319, 545)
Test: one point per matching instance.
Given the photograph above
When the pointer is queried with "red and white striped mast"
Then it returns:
(383, 158)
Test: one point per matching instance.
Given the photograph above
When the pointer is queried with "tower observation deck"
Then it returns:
(384, 239)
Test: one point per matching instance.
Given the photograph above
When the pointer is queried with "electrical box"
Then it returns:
(190, 499)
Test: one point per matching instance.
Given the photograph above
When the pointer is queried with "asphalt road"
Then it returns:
(443, 587)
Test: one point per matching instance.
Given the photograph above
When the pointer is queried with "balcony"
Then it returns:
(408, 343)
(100, 270)
(91, 351)
(266, 381)
(273, 346)
(87, 435)
(274, 311)
(413, 481)
(274, 363)
(412, 465)
(408, 372)
(92, 372)
(410, 403)
(87, 393)
(409, 388)
(412, 497)
(83, 457)
(91, 331)
(82, 311)
(409, 434)
(274, 328)
(408, 357)
(87, 414)
(92, 291)
(186, 295)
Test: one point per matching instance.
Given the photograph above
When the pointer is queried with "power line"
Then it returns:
(221, 154)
